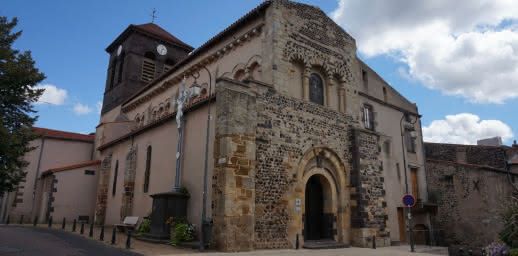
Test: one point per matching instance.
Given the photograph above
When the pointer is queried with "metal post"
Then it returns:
(35, 222)
(205, 170)
(470, 253)
(297, 243)
(82, 231)
(21, 219)
(63, 224)
(128, 240)
(7, 221)
(373, 242)
(50, 221)
(178, 157)
(91, 233)
(461, 252)
(74, 226)
(410, 228)
(113, 236)
(101, 237)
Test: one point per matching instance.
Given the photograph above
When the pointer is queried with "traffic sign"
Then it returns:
(409, 200)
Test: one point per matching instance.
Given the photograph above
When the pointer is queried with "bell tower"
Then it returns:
(139, 55)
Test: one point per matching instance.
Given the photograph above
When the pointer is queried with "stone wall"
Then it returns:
(233, 196)
(469, 192)
(102, 190)
(369, 218)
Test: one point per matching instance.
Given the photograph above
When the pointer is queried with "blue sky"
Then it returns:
(68, 38)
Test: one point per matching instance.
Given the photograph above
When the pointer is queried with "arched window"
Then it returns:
(112, 73)
(115, 174)
(316, 89)
(148, 67)
(148, 169)
(121, 67)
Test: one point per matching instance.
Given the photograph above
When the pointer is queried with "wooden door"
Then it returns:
(415, 185)
(401, 222)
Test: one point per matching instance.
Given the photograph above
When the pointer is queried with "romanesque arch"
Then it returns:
(324, 164)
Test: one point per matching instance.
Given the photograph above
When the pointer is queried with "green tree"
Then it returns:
(18, 78)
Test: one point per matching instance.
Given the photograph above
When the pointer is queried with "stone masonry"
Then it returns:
(102, 190)
(129, 183)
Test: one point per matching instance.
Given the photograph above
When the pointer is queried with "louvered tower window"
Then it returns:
(121, 67)
(148, 67)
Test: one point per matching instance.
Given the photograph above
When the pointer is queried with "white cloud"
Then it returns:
(51, 95)
(465, 128)
(458, 47)
(81, 109)
(98, 107)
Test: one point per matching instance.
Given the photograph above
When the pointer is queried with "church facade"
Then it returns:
(306, 142)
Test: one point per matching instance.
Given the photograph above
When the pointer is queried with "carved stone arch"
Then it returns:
(238, 72)
(253, 67)
(338, 175)
(227, 75)
(318, 61)
(296, 57)
(161, 110)
(254, 59)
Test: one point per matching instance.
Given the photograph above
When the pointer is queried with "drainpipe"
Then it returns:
(432, 239)
(5, 203)
(36, 177)
(410, 227)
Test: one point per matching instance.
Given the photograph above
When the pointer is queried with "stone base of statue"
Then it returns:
(165, 205)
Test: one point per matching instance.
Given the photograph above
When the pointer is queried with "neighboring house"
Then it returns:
(53, 149)
(305, 138)
(470, 184)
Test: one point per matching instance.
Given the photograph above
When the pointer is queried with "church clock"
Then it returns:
(161, 49)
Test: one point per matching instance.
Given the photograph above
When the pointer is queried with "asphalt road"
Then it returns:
(25, 241)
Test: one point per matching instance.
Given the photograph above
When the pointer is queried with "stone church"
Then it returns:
(305, 140)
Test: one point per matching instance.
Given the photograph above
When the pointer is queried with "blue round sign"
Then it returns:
(409, 200)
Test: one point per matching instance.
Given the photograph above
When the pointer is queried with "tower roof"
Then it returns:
(150, 29)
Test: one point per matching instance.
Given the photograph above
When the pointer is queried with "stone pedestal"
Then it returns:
(165, 205)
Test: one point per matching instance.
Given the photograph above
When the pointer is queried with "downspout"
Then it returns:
(5, 203)
(36, 177)
(432, 239)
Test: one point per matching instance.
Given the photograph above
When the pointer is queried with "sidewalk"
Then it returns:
(137, 246)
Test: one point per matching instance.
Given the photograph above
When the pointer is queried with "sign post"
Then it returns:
(409, 201)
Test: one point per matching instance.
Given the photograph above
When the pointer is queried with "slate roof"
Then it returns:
(160, 32)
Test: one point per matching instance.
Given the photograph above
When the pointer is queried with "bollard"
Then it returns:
(297, 243)
(74, 226)
(35, 222)
(63, 224)
(50, 221)
(7, 221)
(101, 237)
(470, 253)
(373, 242)
(461, 252)
(91, 233)
(484, 252)
(113, 236)
(21, 219)
(128, 240)
(82, 231)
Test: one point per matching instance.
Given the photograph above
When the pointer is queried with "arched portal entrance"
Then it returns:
(319, 215)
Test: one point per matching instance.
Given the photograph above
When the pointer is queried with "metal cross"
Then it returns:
(153, 16)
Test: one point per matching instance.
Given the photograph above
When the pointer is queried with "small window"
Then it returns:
(368, 117)
(115, 174)
(148, 169)
(448, 179)
(364, 78)
(316, 89)
(410, 141)
(386, 145)
(89, 172)
(385, 94)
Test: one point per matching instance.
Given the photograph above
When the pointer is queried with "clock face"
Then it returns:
(119, 50)
(161, 49)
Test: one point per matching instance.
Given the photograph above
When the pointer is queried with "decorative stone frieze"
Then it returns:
(102, 190)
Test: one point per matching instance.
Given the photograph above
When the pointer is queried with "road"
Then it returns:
(26, 241)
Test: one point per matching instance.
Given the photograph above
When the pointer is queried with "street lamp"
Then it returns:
(182, 99)
(413, 134)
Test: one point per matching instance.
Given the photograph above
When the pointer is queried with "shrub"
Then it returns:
(144, 227)
(184, 191)
(497, 249)
(183, 232)
(513, 252)
(509, 218)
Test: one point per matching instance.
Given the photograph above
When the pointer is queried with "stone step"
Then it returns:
(324, 244)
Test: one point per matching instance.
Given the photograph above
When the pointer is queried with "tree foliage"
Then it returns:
(18, 78)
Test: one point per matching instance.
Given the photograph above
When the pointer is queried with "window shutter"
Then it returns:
(374, 120)
(148, 70)
(362, 109)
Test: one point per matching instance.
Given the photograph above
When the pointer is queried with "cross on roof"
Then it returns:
(153, 16)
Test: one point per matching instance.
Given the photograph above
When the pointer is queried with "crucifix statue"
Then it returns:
(182, 99)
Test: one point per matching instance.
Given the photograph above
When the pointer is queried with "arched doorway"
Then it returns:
(318, 221)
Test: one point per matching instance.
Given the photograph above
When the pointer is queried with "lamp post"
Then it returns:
(184, 97)
(205, 225)
(410, 228)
